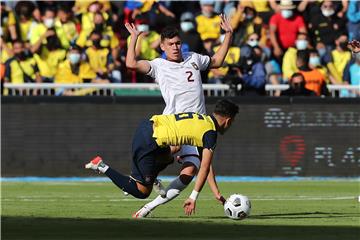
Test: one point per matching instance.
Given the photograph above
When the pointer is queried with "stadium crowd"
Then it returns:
(302, 43)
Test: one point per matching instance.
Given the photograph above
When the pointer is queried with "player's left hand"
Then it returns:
(225, 24)
(189, 206)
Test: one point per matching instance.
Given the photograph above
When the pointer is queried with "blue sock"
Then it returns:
(125, 183)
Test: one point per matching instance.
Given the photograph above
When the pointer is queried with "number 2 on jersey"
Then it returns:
(189, 73)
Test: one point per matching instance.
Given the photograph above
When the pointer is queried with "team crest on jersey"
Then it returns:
(195, 66)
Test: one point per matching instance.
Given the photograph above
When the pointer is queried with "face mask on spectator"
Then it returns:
(328, 13)
(186, 26)
(322, 52)
(253, 42)
(286, 13)
(143, 27)
(343, 45)
(99, 27)
(96, 43)
(74, 58)
(49, 22)
(21, 56)
(249, 17)
(207, 14)
(315, 61)
(301, 44)
(298, 87)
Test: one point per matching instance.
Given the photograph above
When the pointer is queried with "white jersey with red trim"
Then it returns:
(180, 83)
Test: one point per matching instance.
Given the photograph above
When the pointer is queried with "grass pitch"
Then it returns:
(280, 210)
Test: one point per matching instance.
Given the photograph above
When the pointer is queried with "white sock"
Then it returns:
(172, 191)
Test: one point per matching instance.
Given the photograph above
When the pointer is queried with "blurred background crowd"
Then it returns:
(302, 43)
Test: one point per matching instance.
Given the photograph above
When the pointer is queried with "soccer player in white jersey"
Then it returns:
(179, 78)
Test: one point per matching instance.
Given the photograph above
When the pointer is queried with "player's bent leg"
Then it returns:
(187, 173)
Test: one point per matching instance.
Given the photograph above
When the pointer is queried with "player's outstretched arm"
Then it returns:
(190, 203)
(218, 59)
(141, 66)
(214, 187)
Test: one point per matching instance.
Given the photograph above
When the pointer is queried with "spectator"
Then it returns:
(252, 72)
(284, 27)
(74, 70)
(217, 75)
(352, 72)
(265, 9)
(44, 35)
(326, 25)
(8, 23)
(99, 58)
(340, 57)
(95, 18)
(314, 79)
(66, 27)
(22, 67)
(25, 22)
(208, 22)
(289, 59)
(82, 6)
(148, 41)
(353, 15)
(48, 61)
(315, 63)
(297, 87)
(189, 35)
(245, 22)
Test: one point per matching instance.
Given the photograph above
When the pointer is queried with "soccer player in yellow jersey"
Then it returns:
(152, 149)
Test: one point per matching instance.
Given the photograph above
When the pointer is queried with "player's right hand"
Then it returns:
(132, 29)
(189, 206)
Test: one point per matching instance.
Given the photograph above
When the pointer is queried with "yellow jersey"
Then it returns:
(19, 72)
(185, 129)
(66, 75)
(208, 27)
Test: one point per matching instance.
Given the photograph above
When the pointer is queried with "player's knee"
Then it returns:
(189, 169)
(186, 179)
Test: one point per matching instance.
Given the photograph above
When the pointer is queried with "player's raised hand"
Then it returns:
(225, 24)
(189, 206)
(354, 46)
(132, 29)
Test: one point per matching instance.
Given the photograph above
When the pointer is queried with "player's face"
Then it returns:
(172, 48)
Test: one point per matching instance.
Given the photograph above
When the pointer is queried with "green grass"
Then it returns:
(280, 210)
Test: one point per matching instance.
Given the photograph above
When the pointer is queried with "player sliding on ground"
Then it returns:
(152, 152)
(179, 79)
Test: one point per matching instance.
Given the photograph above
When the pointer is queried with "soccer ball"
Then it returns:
(237, 207)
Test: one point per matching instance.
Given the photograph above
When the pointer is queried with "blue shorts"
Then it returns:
(148, 158)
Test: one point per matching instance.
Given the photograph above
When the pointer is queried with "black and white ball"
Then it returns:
(237, 207)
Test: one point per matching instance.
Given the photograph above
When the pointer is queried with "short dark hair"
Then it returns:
(303, 55)
(226, 108)
(169, 32)
(297, 74)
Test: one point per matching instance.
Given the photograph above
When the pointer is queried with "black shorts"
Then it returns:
(148, 157)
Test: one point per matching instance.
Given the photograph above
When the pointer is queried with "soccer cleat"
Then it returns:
(94, 164)
(159, 188)
(143, 212)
